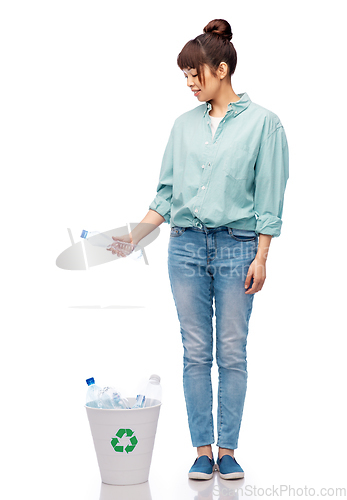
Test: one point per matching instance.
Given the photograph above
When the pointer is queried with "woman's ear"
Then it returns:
(222, 70)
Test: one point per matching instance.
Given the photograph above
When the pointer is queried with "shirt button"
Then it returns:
(196, 210)
(202, 166)
(206, 142)
(202, 187)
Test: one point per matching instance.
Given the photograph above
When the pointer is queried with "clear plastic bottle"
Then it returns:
(97, 239)
(120, 401)
(111, 399)
(93, 393)
(151, 395)
(102, 240)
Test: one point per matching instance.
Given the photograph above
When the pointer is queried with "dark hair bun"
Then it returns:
(219, 27)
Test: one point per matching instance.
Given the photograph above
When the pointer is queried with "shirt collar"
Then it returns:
(239, 105)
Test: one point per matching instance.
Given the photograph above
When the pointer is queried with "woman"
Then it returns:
(221, 188)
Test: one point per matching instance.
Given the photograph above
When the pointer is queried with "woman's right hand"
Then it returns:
(122, 246)
(125, 244)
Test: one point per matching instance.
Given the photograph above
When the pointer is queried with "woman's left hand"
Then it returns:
(257, 271)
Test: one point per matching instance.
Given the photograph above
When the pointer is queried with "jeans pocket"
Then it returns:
(177, 231)
(242, 234)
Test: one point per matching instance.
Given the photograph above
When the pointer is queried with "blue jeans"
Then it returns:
(206, 263)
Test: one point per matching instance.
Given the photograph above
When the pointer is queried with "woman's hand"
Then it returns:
(257, 271)
(122, 246)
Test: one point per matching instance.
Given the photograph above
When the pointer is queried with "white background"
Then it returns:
(89, 93)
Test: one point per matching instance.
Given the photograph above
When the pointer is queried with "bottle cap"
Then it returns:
(155, 379)
(84, 233)
(90, 381)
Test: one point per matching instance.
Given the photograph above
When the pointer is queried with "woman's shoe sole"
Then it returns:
(200, 475)
(231, 475)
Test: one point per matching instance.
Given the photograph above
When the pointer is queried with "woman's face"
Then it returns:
(202, 92)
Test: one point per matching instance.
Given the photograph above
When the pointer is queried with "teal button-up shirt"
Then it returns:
(237, 179)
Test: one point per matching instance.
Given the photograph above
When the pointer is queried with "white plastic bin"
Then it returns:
(124, 441)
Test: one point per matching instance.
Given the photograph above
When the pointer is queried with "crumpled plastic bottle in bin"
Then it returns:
(107, 398)
(111, 399)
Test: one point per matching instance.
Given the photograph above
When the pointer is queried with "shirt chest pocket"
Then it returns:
(238, 161)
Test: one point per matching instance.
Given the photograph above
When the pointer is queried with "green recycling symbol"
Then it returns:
(129, 447)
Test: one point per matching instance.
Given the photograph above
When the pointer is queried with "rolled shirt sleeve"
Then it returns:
(162, 201)
(271, 175)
